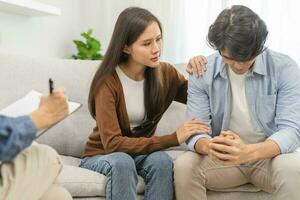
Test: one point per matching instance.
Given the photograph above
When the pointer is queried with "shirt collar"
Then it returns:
(220, 67)
(259, 65)
(258, 68)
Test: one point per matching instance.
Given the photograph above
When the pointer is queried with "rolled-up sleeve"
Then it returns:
(15, 135)
(198, 106)
(287, 117)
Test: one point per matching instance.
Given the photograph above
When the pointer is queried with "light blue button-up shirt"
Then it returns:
(273, 94)
(15, 135)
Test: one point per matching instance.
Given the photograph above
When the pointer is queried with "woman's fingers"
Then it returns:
(203, 63)
(195, 130)
(197, 126)
(194, 121)
(189, 69)
(197, 65)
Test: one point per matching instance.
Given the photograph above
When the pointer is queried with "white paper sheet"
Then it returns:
(29, 103)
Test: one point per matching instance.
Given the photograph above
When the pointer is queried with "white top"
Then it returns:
(134, 98)
(241, 121)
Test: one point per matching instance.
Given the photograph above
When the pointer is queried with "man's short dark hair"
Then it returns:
(240, 32)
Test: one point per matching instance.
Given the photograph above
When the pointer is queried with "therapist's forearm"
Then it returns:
(39, 119)
(201, 146)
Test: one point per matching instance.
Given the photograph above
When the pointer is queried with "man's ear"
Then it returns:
(126, 49)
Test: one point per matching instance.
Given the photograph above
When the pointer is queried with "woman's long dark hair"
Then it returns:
(130, 24)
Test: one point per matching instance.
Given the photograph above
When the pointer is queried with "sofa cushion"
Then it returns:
(171, 120)
(82, 182)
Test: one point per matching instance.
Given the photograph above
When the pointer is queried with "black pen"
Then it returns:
(50, 85)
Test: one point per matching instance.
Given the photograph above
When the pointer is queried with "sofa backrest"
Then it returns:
(20, 74)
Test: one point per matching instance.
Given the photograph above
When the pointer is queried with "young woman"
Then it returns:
(128, 96)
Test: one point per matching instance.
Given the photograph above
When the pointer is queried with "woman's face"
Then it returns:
(146, 49)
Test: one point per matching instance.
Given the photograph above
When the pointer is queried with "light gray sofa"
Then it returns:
(20, 74)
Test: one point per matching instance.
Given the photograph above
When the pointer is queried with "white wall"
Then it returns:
(185, 24)
(48, 36)
(101, 16)
(52, 36)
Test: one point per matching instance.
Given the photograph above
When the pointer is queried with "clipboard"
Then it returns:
(29, 103)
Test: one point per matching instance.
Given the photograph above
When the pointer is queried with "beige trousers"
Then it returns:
(31, 176)
(194, 173)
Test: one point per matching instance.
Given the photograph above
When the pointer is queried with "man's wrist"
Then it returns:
(201, 146)
(251, 152)
(263, 150)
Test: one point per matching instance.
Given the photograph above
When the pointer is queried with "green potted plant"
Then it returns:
(88, 50)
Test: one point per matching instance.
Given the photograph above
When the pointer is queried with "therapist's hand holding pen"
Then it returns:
(52, 108)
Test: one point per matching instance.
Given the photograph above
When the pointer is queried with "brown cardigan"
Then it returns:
(112, 132)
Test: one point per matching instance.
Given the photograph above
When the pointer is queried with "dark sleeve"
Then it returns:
(15, 135)
(179, 84)
(181, 95)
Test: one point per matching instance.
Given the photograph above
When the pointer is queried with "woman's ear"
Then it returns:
(126, 49)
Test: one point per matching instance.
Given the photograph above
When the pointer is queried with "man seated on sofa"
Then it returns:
(251, 97)
(30, 174)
